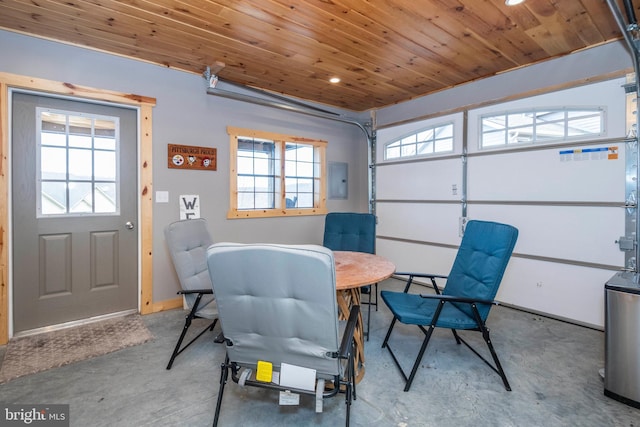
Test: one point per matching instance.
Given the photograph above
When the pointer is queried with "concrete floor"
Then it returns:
(552, 367)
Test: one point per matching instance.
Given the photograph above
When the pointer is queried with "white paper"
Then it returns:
(289, 399)
(297, 377)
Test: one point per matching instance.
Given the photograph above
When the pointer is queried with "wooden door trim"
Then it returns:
(145, 104)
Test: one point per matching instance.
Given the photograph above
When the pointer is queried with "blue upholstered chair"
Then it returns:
(277, 305)
(467, 297)
(355, 232)
(187, 241)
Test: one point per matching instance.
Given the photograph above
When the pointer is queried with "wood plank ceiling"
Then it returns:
(384, 51)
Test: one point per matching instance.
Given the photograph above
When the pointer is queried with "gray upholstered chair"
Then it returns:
(188, 241)
(277, 304)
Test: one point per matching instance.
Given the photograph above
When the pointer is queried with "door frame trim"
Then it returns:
(145, 179)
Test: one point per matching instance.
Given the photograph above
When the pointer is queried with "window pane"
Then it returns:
(56, 139)
(548, 116)
(305, 169)
(105, 128)
(290, 168)
(245, 165)
(425, 147)
(263, 166)
(53, 163)
(263, 183)
(291, 200)
(245, 200)
(493, 123)
(393, 153)
(411, 139)
(305, 200)
(54, 121)
(105, 197)
(80, 131)
(520, 119)
(585, 126)
(549, 132)
(105, 165)
(305, 185)
(291, 185)
(302, 153)
(444, 145)
(445, 132)
(426, 135)
(408, 150)
(104, 143)
(521, 135)
(80, 197)
(53, 198)
(80, 164)
(264, 201)
(491, 139)
(245, 183)
(80, 141)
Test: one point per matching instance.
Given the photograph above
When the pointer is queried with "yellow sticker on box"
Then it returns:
(264, 371)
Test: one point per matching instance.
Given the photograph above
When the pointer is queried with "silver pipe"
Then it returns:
(278, 97)
(310, 111)
(626, 30)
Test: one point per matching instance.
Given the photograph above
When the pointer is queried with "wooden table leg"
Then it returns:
(346, 299)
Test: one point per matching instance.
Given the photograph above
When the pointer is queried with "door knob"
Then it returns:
(129, 225)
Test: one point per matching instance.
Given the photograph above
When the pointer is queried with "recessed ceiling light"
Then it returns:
(513, 2)
(334, 80)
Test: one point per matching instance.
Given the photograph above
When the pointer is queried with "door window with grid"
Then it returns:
(77, 167)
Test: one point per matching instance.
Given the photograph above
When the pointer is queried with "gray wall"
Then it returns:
(186, 115)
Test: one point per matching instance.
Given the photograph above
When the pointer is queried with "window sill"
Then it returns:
(271, 213)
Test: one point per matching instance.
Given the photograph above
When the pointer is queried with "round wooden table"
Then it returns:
(354, 270)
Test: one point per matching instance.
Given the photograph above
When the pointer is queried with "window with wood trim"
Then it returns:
(275, 175)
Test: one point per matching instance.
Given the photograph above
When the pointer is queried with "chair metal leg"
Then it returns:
(350, 387)
(416, 364)
(177, 350)
(456, 336)
(375, 303)
(224, 374)
(353, 370)
(370, 303)
(485, 335)
(348, 401)
(386, 338)
(187, 323)
(368, 317)
(494, 355)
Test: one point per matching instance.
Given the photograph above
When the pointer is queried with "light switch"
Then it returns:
(162, 197)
